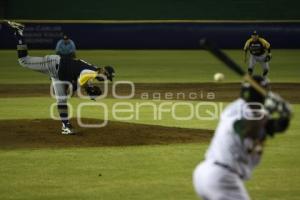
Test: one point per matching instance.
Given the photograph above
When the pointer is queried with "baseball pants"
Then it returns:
(47, 65)
(213, 182)
(258, 59)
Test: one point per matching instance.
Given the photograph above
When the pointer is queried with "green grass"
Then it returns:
(25, 109)
(139, 172)
(131, 172)
(145, 172)
(157, 66)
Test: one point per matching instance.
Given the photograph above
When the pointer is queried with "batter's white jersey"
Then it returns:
(229, 159)
(227, 147)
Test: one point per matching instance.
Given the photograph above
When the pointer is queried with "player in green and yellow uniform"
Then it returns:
(260, 51)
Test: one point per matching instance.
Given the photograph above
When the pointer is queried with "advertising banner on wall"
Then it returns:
(153, 34)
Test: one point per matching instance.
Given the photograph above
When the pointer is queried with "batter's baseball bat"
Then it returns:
(212, 48)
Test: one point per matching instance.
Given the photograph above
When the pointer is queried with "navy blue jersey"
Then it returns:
(70, 69)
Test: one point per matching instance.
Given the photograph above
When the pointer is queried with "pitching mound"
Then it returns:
(45, 133)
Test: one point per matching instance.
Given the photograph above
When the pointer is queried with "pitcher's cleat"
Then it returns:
(17, 27)
(67, 129)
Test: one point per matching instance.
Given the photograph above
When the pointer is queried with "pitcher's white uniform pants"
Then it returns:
(47, 65)
(214, 182)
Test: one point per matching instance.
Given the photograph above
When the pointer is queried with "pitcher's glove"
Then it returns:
(109, 72)
(93, 91)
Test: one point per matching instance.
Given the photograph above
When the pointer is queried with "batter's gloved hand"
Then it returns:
(280, 114)
(268, 57)
(275, 104)
(93, 91)
(274, 126)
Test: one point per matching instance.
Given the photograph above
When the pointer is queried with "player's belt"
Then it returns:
(258, 53)
(228, 168)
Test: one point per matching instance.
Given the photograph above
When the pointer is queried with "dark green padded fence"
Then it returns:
(151, 9)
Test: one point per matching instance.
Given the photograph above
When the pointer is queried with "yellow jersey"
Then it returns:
(257, 47)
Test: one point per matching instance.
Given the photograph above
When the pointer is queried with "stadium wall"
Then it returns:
(153, 34)
(151, 9)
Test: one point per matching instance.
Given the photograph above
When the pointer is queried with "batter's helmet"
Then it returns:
(249, 93)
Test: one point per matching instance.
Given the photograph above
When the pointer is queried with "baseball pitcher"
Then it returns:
(260, 51)
(76, 72)
(238, 144)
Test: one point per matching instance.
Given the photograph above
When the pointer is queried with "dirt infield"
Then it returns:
(170, 91)
(45, 133)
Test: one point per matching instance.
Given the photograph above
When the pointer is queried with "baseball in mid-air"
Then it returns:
(218, 77)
